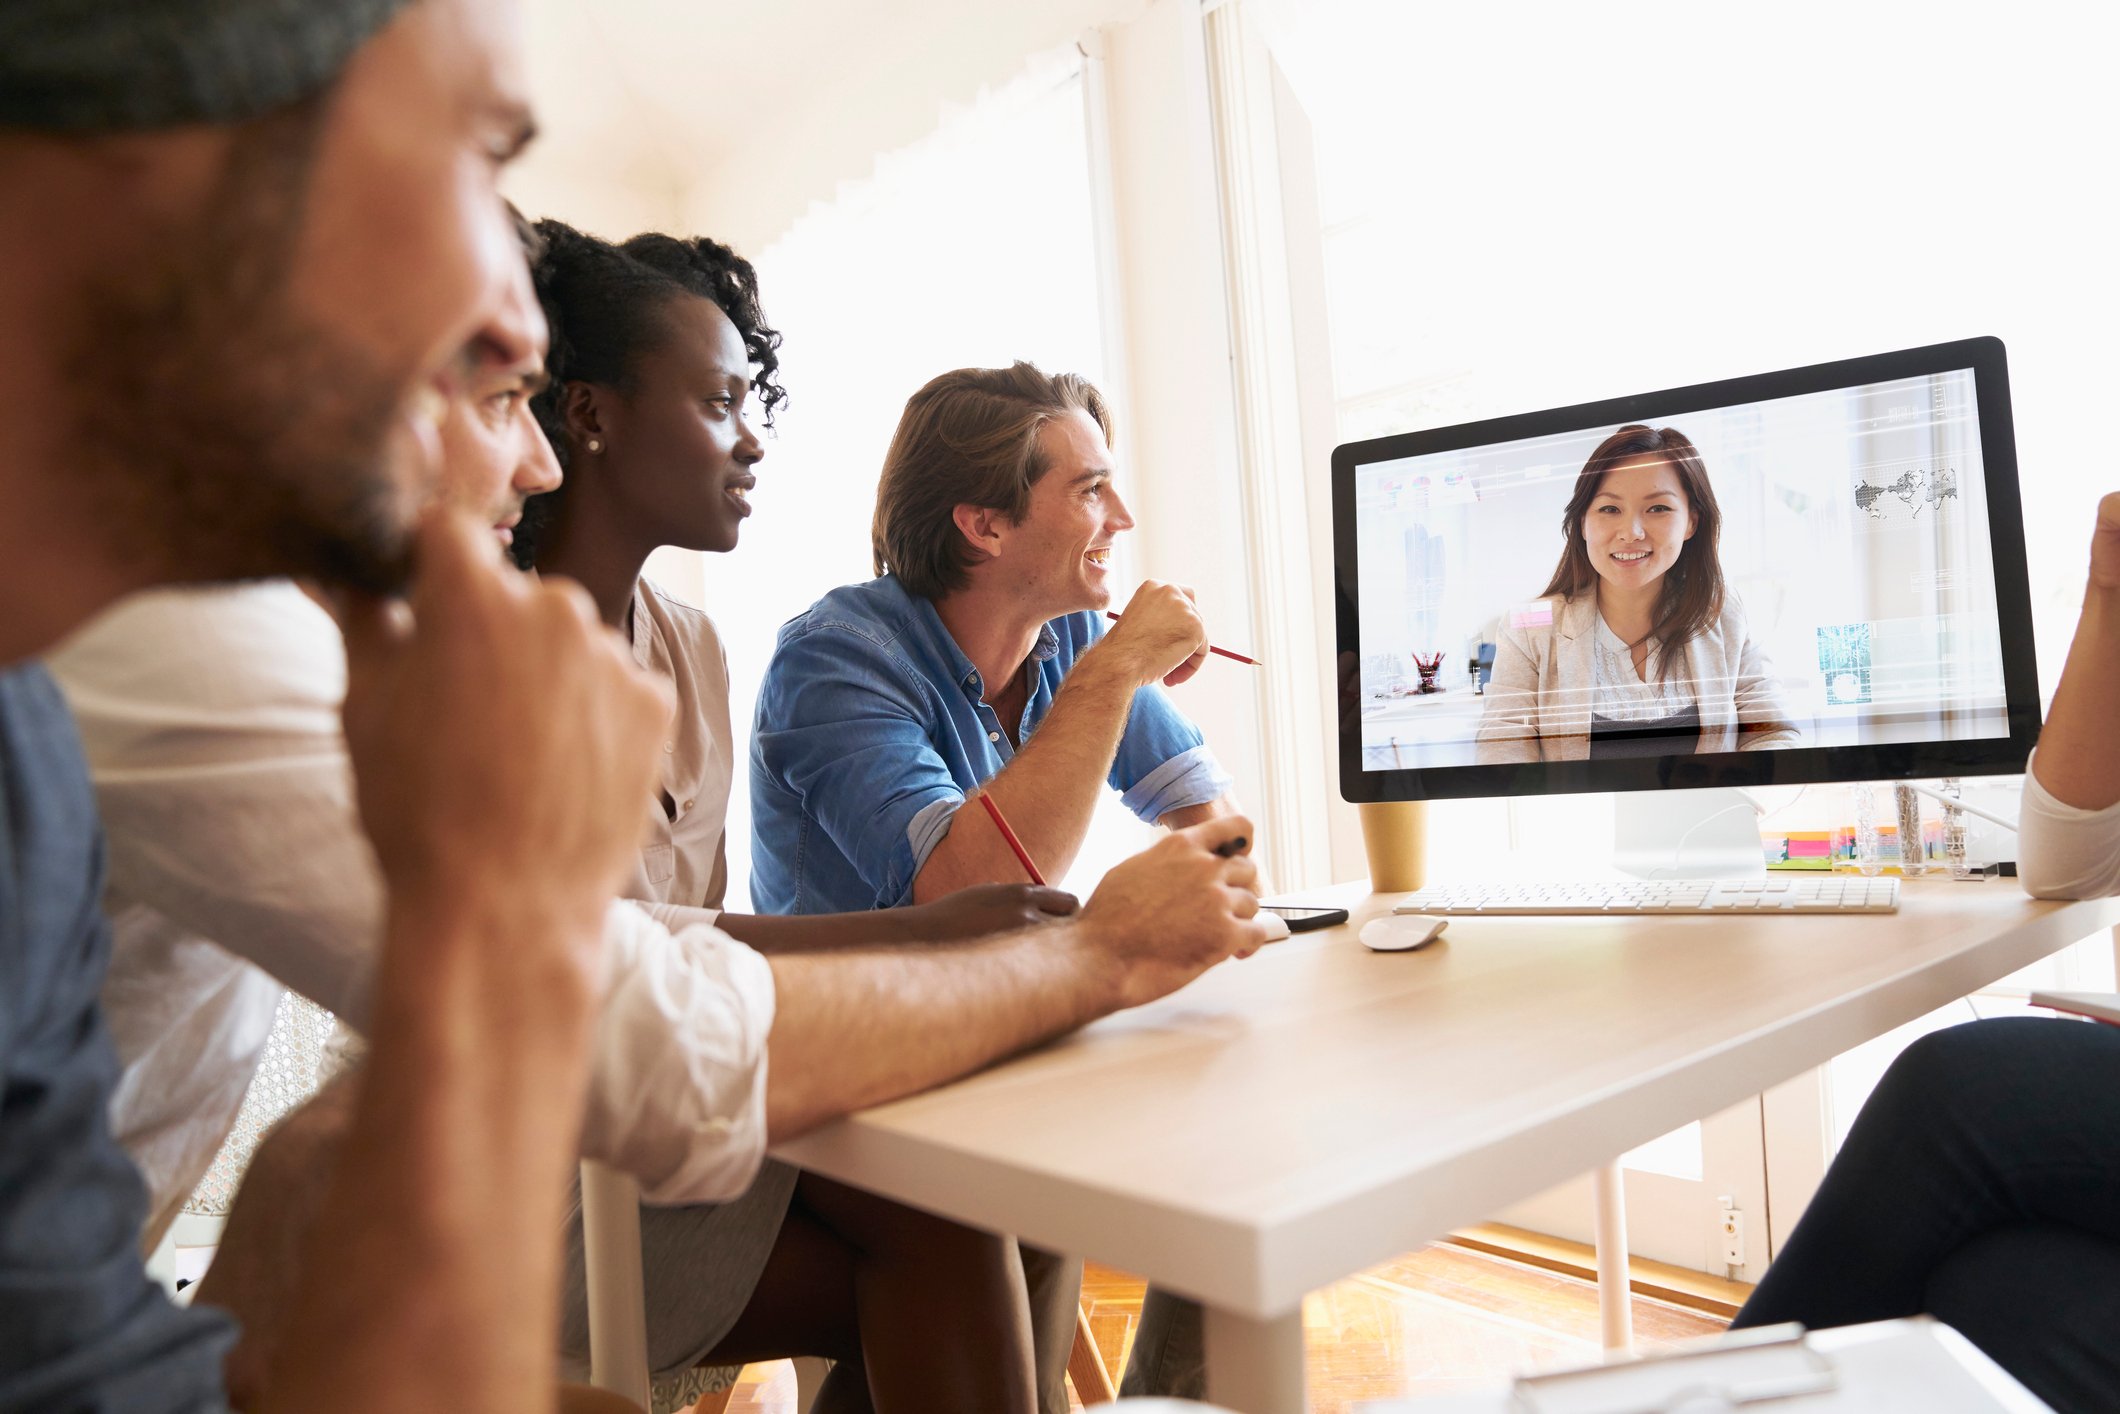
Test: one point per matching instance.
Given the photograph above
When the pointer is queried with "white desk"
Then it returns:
(1886, 1367)
(1289, 1120)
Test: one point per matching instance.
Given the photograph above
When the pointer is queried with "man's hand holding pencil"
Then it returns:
(1160, 637)
(1177, 908)
(1172, 911)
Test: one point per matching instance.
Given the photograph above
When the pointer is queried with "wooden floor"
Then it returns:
(1431, 1322)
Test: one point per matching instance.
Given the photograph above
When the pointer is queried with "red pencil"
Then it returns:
(1239, 657)
(1022, 856)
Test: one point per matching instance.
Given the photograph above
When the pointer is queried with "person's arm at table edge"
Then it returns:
(2079, 751)
(855, 1029)
(816, 932)
(975, 912)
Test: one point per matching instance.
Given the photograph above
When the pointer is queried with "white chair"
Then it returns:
(618, 1313)
(618, 1316)
(298, 1059)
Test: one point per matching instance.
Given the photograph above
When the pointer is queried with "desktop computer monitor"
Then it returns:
(1810, 575)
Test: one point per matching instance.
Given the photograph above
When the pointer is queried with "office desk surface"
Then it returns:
(1286, 1121)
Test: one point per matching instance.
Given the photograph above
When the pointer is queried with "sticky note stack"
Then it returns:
(1887, 846)
(1801, 849)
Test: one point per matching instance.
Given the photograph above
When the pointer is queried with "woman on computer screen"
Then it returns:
(1635, 647)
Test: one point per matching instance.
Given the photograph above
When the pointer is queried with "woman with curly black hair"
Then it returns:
(660, 352)
(659, 346)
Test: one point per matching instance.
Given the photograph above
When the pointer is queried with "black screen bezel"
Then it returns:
(1800, 765)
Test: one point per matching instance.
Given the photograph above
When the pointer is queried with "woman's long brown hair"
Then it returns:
(1692, 597)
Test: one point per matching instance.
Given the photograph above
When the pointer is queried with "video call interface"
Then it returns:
(1858, 596)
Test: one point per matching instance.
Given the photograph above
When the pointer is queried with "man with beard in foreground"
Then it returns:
(239, 236)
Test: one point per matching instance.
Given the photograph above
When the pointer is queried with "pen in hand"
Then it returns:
(1228, 849)
(1236, 657)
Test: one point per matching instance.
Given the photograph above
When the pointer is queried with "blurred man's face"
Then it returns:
(494, 456)
(247, 395)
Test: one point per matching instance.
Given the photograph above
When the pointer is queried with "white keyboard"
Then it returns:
(1831, 893)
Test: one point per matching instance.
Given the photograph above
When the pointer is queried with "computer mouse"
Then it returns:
(1402, 932)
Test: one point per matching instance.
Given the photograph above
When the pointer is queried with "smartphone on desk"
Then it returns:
(1302, 918)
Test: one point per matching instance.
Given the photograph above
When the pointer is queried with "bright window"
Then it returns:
(1529, 207)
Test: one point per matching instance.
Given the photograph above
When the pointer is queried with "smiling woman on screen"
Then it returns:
(1635, 648)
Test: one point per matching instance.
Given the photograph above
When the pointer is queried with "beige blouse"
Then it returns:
(1545, 688)
(683, 873)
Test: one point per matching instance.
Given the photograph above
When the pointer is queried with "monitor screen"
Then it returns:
(1810, 575)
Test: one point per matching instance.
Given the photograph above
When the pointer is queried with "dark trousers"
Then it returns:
(1170, 1350)
(1981, 1184)
(1055, 1290)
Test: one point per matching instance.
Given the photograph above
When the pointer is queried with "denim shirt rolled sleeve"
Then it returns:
(844, 726)
(1163, 763)
(873, 728)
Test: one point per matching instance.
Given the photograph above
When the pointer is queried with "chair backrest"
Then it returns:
(618, 1315)
(297, 1061)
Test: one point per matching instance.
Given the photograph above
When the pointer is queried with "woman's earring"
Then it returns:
(596, 444)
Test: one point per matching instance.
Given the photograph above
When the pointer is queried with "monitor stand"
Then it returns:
(1687, 834)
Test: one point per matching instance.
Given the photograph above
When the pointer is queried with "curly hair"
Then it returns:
(605, 306)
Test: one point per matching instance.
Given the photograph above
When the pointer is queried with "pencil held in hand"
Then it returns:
(1234, 657)
(1022, 855)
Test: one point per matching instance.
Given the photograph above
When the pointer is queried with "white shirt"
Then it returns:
(237, 866)
(2065, 851)
(1625, 695)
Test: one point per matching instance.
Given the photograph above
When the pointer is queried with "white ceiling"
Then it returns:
(737, 116)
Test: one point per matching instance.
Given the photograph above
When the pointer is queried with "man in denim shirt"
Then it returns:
(980, 662)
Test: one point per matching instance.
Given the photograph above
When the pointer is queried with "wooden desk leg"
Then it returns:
(1256, 1367)
(1615, 1298)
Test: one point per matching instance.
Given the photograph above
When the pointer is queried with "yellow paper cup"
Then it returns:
(1395, 835)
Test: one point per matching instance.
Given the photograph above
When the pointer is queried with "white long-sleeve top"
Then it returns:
(2065, 851)
(238, 867)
